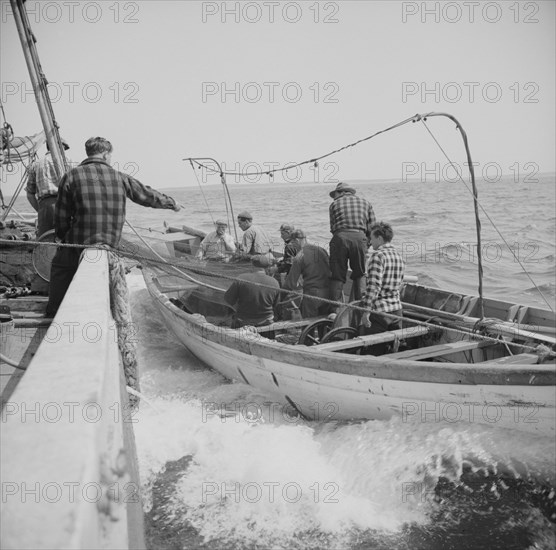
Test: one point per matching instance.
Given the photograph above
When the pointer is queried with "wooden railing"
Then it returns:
(69, 469)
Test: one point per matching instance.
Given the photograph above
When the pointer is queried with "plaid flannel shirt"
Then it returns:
(385, 271)
(351, 212)
(90, 208)
(43, 180)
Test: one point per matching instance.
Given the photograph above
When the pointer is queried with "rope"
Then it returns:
(10, 206)
(163, 263)
(414, 118)
(121, 312)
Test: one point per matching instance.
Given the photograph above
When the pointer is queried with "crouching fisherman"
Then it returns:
(385, 271)
(254, 296)
(217, 245)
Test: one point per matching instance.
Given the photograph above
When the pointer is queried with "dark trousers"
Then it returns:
(381, 323)
(45, 215)
(314, 308)
(64, 267)
(347, 246)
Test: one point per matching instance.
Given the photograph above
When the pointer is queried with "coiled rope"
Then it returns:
(121, 313)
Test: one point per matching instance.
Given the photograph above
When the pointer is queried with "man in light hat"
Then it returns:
(254, 295)
(255, 241)
(351, 218)
(217, 245)
(42, 189)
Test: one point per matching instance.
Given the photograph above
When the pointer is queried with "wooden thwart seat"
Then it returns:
(371, 339)
(440, 349)
(284, 325)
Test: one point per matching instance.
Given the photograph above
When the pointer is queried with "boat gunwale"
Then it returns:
(367, 366)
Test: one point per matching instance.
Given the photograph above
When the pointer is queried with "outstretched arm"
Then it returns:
(146, 196)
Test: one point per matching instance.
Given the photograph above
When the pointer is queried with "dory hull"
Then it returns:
(323, 385)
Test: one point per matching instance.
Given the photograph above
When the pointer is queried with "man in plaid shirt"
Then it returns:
(90, 210)
(351, 218)
(385, 272)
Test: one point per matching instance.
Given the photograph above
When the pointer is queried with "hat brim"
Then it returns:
(344, 190)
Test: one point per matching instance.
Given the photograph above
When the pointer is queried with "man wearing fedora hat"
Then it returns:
(42, 190)
(351, 218)
(218, 244)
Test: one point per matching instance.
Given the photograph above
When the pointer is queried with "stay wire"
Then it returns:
(202, 192)
(516, 258)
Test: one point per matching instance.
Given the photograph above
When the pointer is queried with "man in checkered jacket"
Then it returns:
(385, 272)
(351, 217)
(90, 210)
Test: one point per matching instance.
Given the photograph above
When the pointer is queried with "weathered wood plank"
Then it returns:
(371, 339)
(26, 303)
(32, 323)
(284, 325)
(438, 350)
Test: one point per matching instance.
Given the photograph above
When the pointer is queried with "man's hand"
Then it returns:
(366, 322)
(177, 207)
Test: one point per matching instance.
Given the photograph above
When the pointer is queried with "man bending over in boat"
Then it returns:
(90, 210)
(254, 296)
(385, 271)
(311, 263)
(217, 245)
(255, 241)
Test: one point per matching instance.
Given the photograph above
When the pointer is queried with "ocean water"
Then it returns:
(223, 466)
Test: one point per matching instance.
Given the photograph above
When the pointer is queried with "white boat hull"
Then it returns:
(294, 375)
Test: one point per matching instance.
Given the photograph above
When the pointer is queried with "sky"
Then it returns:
(260, 85)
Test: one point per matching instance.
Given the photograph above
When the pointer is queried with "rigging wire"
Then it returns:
(516, 258)
(202, 193)
(415, 118)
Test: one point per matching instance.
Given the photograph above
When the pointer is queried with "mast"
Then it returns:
(39, 82)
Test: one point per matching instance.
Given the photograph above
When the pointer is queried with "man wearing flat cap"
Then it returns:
(255, 241)
(254, 295)
(217, 245)
(351, 218)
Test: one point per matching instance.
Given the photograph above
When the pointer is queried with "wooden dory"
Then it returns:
(441, 369)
